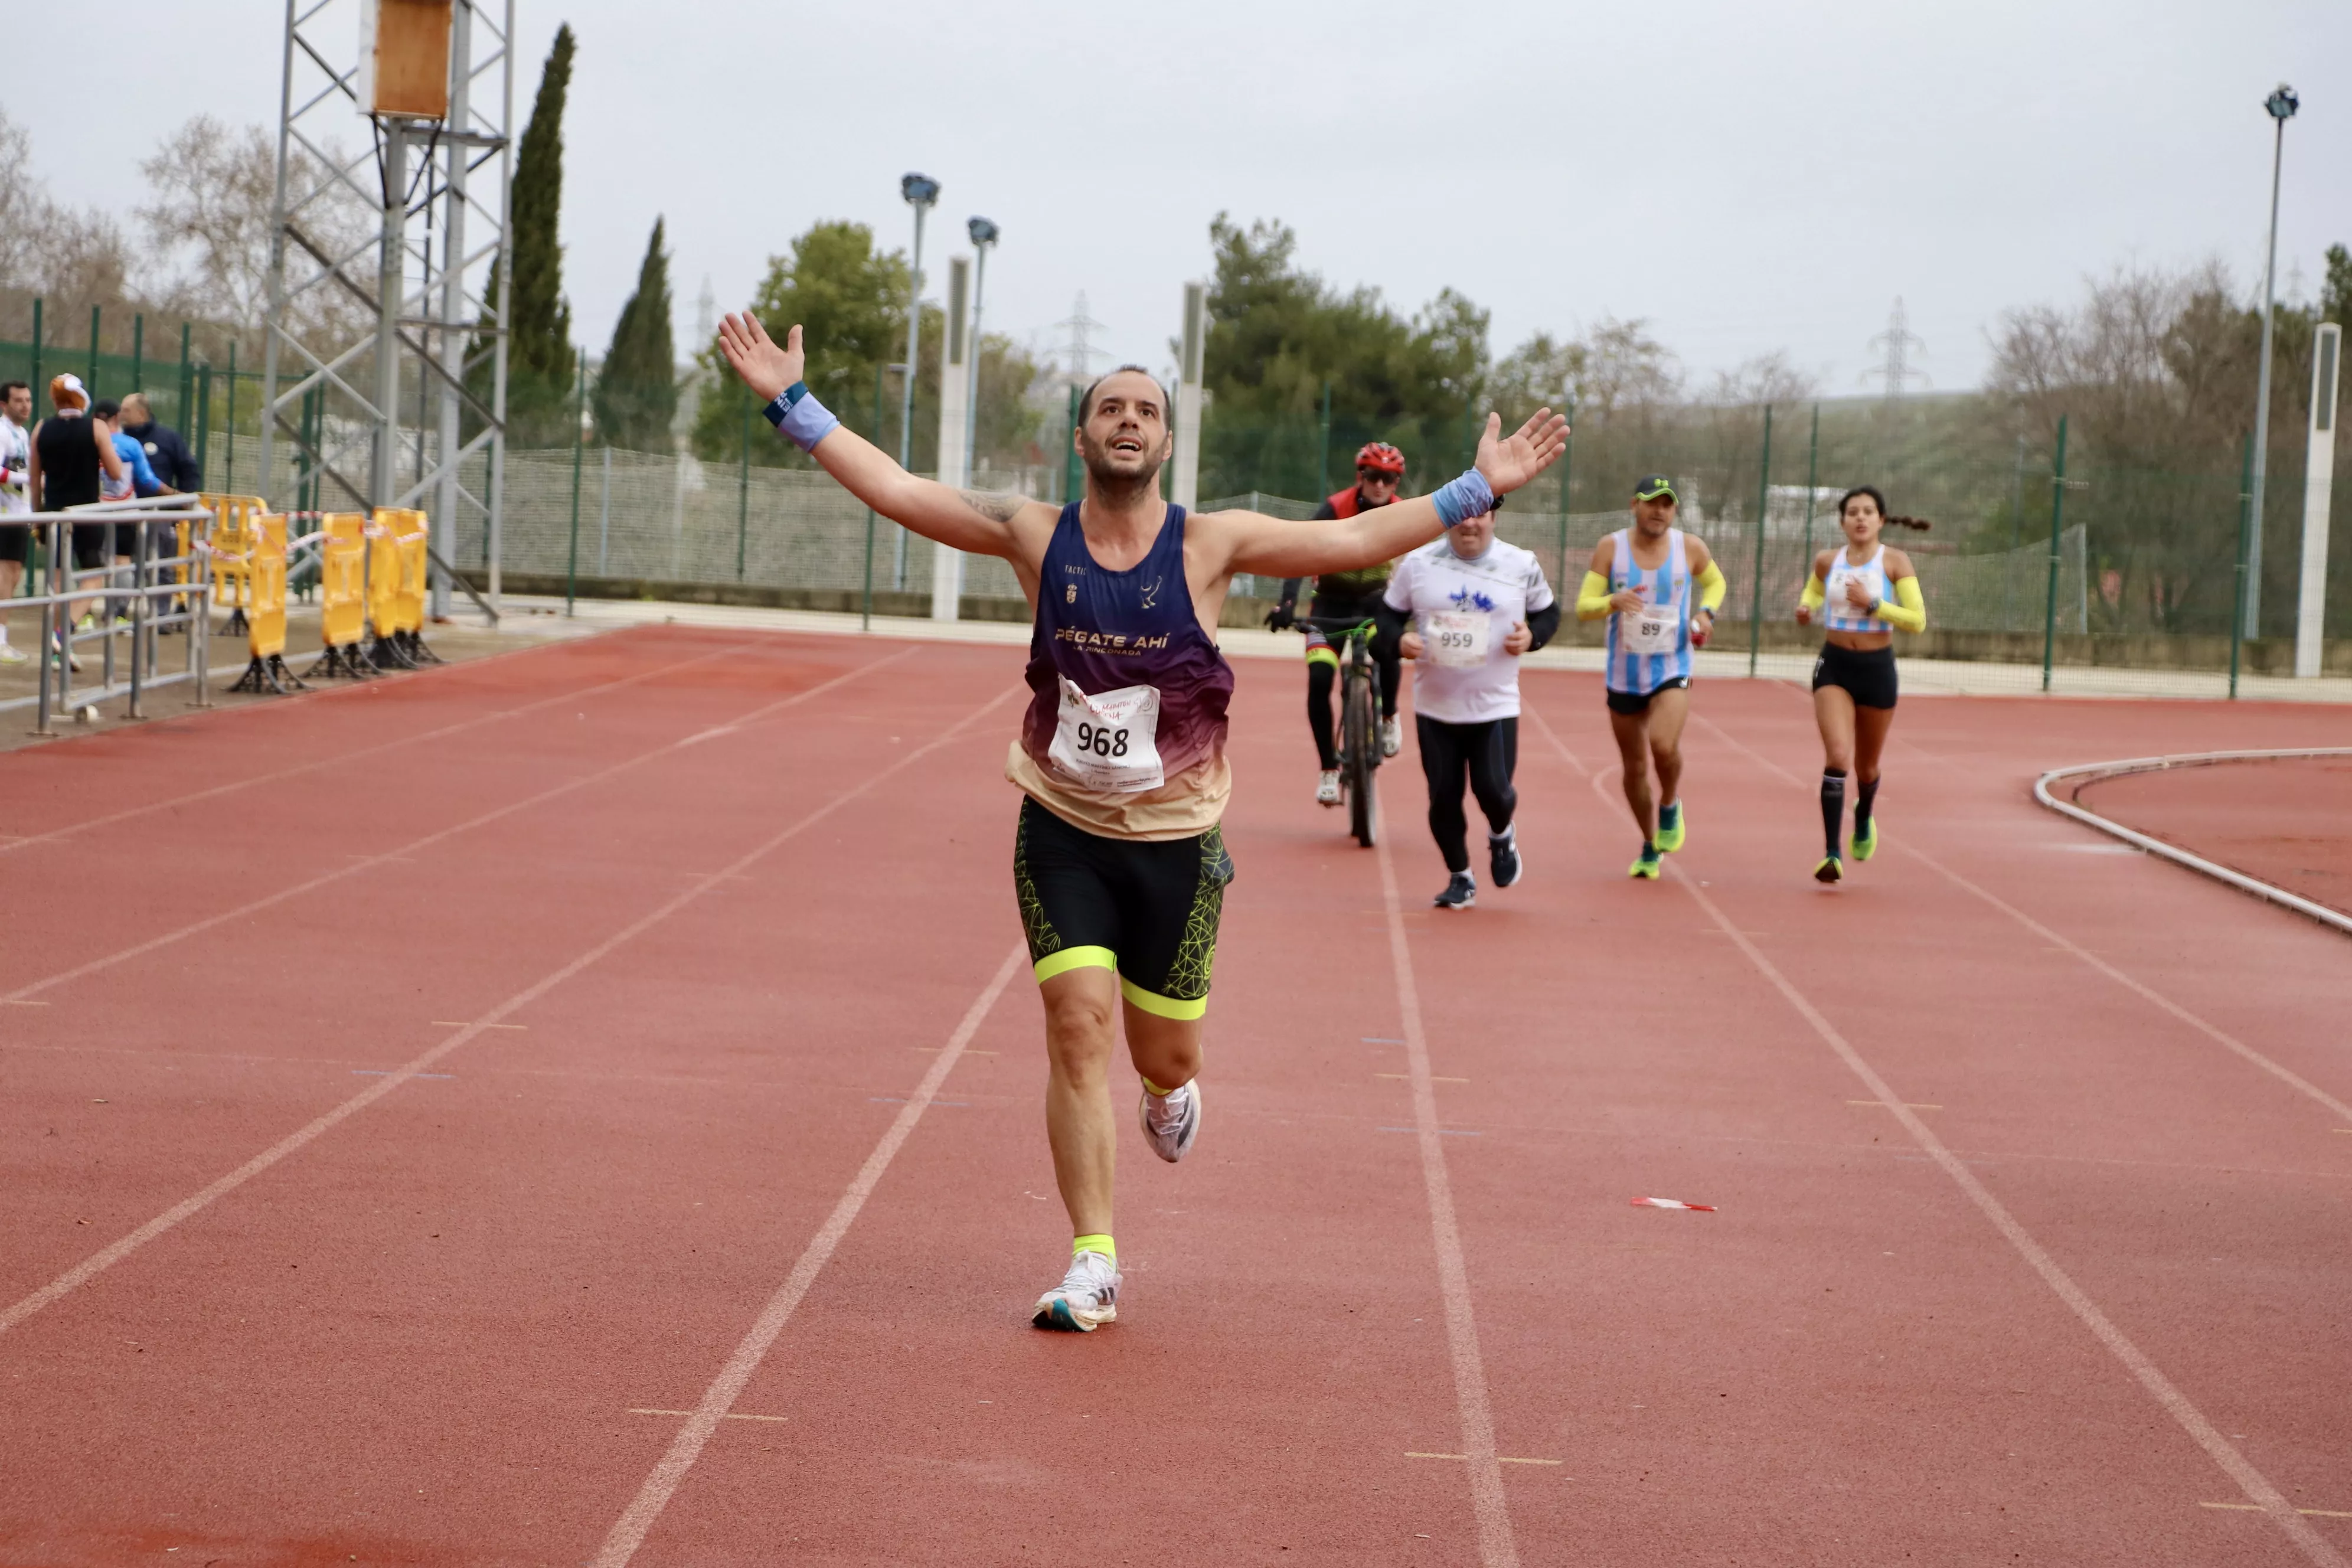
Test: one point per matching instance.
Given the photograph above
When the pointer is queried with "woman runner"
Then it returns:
(1861, 593)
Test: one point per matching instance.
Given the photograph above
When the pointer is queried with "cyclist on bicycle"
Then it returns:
(1349, 594)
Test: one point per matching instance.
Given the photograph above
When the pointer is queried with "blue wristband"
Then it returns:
(798, 414)
(1469, 496)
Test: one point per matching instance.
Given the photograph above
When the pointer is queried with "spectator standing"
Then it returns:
(16, 500)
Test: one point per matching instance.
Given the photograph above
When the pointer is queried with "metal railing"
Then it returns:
(133, 605)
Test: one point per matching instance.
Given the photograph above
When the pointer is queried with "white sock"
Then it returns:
(1505, 836)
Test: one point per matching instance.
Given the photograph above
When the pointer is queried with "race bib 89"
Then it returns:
(1651, 629)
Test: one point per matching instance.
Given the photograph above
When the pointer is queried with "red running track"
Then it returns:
(609, 1133)
(2285, 821)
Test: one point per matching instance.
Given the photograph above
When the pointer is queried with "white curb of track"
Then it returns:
(2090, 772)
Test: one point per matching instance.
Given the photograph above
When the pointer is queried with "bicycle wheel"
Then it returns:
(1363, 753)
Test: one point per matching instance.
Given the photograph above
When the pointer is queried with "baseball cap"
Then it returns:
(1649, 487)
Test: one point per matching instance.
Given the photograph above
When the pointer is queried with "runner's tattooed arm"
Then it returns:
(972, 520)
(1280, 547)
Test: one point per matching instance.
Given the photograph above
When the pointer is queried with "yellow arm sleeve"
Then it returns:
(1816, 593)
(1712, 587)
(1909, 611)
(1592, 598)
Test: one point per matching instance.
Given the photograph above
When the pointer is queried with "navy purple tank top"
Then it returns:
(1106, 632)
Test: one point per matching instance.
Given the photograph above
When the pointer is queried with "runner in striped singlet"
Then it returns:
(1118, 863)
(1860, 593)
(1660, 588)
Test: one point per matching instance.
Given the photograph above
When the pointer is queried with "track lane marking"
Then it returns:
(2217, 1448)
(217, 791)
(2059, 943)
(195, 1203)
(1497, 1548)
(324, 878)
(629, 1531)
(730, 1415)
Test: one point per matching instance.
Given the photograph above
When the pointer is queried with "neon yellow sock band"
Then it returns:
(1157, 1093)
(1101, 1243)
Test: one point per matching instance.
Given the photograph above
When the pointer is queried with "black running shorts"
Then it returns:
(1146, 909)
(1867, 675)
(1639, 701)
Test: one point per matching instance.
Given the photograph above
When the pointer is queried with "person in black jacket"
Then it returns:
(167, 454)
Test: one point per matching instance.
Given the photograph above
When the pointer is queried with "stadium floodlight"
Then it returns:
(2282, 104)
(921, 192)
(983, 235)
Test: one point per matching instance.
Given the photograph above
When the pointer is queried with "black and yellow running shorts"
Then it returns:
(1146, 909)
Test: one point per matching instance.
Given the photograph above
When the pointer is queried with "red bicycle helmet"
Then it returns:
(1381, 458)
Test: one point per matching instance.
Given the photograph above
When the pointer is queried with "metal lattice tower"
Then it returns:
(1898, 342)
(1078, 352)
(338, 398)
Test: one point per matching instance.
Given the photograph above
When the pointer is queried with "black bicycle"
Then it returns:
(1360, 717)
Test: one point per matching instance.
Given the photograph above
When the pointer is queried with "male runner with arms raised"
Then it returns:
(1653, 581)
(1380, 468)
(1118, 861)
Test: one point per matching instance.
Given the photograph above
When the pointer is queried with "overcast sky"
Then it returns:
(1743, 177)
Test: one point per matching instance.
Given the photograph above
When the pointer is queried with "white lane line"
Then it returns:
(99, 1262)
(341, 757)
(357, 866)
(629, 1531)
(2251, 1482)
(2278, 1070)
(1497, 1546)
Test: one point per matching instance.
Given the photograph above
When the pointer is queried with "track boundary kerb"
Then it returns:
(2093, 773)
(629, 1531)
(1497, 1546)
(188, 1207)
(2256, 1487)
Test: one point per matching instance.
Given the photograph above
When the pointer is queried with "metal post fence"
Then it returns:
(1812, 473)
(229, 484)
(138, 351)
(865, 614)
(187, 382)
(579, 446)
(743, 490)
(2057, 527)
(1567, 465)
(1323, 474)
(203, 417)
(2246, 477)
(40, 388)
(91, 380)
(1763, 506)
(1072, 482)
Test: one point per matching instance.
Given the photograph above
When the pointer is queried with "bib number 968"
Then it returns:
(1101, 740)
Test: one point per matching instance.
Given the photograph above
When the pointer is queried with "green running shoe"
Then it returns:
(1670, 828)
(1830, 869)
(1648, 863)
(1865, 842)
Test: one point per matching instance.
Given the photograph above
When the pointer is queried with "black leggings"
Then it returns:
(1322, 677)
(1488, 752)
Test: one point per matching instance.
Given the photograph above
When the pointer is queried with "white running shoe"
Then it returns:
(12, 654)
(1392, 735)
(1327, 787)
(1086, 1300)
(1172, 1121)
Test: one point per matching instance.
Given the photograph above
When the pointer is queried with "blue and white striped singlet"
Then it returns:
(1872, 574)
(1664, 585)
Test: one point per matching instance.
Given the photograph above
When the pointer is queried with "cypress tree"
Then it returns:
(540, 356)
(636, 391)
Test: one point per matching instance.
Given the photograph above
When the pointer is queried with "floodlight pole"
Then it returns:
(2281, 105)
(919, 192)
(983, 239)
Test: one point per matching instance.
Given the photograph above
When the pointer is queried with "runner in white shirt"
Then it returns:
(1474, 604)
(15, 499)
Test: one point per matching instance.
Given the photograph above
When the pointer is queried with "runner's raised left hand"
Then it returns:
(765, 368)
(1532, 448)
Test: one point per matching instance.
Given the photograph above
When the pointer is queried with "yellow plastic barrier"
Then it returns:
(266, 621)
(342, 594)
(383, 573)
(232, 542)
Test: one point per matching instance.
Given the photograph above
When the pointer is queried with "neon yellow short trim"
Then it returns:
(1070, 958)
(1162, 1006)
(1323, 655)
